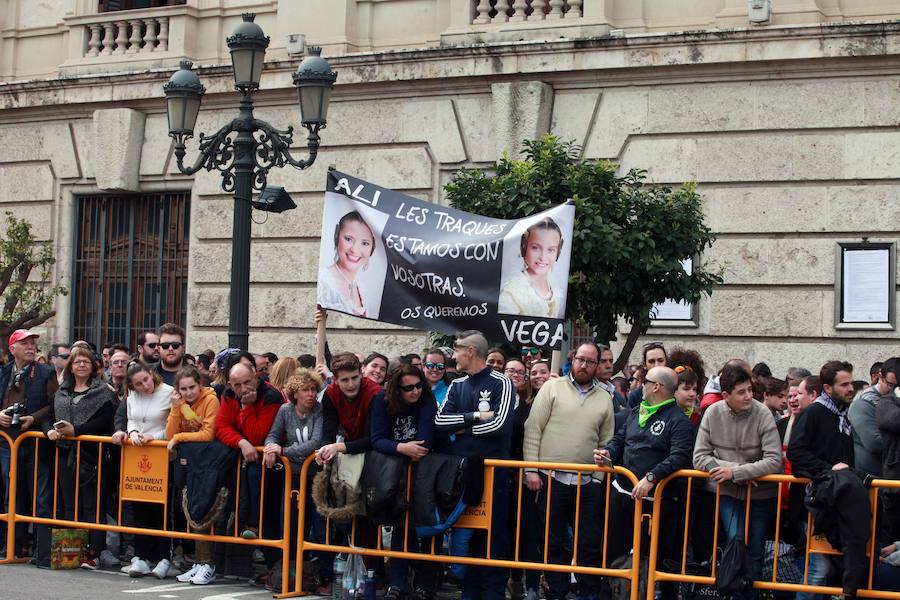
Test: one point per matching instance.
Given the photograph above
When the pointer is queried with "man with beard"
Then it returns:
(821, 445)
(148, 347)
(569, 418)
(171, 352)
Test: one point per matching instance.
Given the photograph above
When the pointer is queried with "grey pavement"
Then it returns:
(25, 582)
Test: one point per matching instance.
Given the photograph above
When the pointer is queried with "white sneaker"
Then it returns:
(128, 566)
(161, 570)
(139, 567)
(206, 574)
(188, 575)
(108, 560)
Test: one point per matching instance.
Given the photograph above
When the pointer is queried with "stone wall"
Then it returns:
(791, 136)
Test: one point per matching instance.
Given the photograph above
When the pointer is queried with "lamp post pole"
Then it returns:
(245, 149)
(239, 300)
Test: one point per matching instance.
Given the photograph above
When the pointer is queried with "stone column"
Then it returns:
(118, 141)
(520, 110)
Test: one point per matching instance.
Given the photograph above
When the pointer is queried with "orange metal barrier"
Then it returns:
(434, 555)
(12, 516)
(7, 441)
(656, 575)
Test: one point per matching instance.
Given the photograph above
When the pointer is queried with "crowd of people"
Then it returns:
(456, 406)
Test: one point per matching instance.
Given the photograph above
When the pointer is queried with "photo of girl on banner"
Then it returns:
(352, 262)
(529, 284)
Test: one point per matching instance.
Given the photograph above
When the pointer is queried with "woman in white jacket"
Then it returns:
(147, 409)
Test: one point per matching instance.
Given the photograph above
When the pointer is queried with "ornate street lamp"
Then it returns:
(245, 149)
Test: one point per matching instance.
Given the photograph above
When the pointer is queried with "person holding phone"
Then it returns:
(83, 405)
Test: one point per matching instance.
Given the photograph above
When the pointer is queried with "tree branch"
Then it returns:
(19, 323)
(13, 299)
(39, 319)
(6, 277)
(630, 341)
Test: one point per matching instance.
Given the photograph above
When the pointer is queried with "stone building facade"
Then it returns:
(788, 122)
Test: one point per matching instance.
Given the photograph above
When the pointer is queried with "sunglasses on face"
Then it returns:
(62, 356)
(411, 387)
(431, 365)
(152, 344)
(172, 345)
(531, 351)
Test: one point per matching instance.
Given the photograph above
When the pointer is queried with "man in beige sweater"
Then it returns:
(569, 418)
(737, 442)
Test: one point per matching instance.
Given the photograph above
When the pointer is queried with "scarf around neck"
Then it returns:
(89, 402)
(647, 410)
(829, 403)
(352, 414)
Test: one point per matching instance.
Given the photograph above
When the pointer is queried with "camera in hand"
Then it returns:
(16, 411)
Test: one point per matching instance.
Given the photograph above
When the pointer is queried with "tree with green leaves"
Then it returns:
(27, 292)
(630, 238)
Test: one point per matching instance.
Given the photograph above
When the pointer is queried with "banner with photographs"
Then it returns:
(394, 258)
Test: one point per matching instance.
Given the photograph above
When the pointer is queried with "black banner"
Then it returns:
(394, 258)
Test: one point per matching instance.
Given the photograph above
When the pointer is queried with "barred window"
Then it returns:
(131, 265)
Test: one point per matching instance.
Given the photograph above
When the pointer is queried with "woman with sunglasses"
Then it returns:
(83, 405)
(403, 423)
(435, 369)
(531, 354)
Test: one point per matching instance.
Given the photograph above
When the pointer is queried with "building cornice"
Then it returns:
(830, 46)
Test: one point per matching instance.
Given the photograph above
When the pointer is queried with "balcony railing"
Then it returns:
(131, 40)
(512, 11)
(128, 36)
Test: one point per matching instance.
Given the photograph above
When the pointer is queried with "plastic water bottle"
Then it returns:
(369, 588)
(337, 583)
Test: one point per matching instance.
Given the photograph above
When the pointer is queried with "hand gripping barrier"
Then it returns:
(96, 520)
(665, 487)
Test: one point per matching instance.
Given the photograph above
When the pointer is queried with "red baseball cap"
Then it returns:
(21, 334)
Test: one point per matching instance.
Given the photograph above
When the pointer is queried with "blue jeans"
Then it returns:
(819, 566)
(762, 521)
(460, 537)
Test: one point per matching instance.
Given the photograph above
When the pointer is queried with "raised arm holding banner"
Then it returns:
(394, 258)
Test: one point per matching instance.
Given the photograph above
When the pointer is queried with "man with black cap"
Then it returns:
(26, 393)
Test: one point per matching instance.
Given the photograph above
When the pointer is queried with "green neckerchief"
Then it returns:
(647, 410)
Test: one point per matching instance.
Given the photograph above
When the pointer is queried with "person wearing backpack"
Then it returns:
(737, 442)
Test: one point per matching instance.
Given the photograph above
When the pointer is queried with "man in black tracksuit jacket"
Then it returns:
(479, 412)
(821, 444)
(656, 440)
